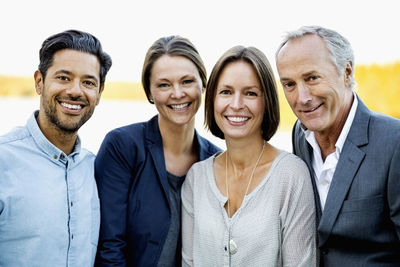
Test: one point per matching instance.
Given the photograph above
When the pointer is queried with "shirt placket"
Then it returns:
(325, 179)
(71, 210)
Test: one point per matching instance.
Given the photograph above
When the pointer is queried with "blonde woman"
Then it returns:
(140, 167)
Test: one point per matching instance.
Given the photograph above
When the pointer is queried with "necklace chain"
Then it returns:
(248, 183)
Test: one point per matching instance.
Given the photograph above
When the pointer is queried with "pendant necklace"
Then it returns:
(232, 245)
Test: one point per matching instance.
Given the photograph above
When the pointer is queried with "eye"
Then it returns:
(62, 78)
(313, 78)
(251, 93)
(288, 85)
(163, 85)
(90, 83)
(224, 92)
(188, 82)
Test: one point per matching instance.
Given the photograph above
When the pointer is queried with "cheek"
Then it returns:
(218, 105)
(196, 91)
(158, 96)
(291, 98)
(93, 96)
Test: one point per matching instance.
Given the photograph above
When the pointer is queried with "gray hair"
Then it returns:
(338, 46)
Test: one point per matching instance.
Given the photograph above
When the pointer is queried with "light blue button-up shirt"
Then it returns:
(49, 207)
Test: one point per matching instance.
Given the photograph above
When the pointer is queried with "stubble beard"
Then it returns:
(66, 126)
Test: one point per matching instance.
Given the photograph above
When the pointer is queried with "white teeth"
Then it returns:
(180, 106)
(76, 107)
(237, 119)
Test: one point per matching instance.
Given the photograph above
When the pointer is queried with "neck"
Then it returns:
(177, 139)
(242, 154)
(63, 140)
(327, 139)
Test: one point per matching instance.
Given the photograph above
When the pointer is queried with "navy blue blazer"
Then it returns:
(360, 224)
(133, 189)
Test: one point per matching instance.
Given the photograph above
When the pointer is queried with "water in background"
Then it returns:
(108, 115)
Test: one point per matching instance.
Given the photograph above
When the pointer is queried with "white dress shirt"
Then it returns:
(324, 170)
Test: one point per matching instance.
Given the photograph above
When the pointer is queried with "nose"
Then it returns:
(178, 92)
(237, 101)
(304, 95)
(75, 89)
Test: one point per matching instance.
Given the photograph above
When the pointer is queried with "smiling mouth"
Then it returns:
(313, 109)
(71, 106)
(236, 118)
(179, 107)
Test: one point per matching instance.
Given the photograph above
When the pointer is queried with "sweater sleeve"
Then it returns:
(187, 219)
(298, 225)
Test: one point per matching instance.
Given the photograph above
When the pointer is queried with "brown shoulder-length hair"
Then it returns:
(174, 46)
(263, 69)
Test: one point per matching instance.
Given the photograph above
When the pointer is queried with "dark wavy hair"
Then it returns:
(75, 40)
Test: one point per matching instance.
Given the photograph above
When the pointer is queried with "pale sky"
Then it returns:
(127, 28)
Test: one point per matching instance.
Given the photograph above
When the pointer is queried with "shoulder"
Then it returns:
(296, 131)
(131, 131)
(16, 134)
(201, 168)
(15, 143)
(87, 155)
(290, 168)
(123, 144)
(206, 148)
(385, 123)
(203, 165)
(126, 136)
(290, 162)
(197, 178)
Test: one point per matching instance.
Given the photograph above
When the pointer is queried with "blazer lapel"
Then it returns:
(350, 159)
(155, 147)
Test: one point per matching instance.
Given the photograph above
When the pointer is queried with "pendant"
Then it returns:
(232, 247)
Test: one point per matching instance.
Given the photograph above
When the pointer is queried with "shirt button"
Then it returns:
(55, 157)
(72, 203)
(225, 248)
(62, 157)
(72, 236)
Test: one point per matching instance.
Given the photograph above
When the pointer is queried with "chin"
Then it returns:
(315, 127)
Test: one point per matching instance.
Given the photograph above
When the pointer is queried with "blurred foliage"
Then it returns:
(377, 85)
(24, 86)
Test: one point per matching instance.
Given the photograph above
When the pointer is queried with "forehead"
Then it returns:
(309, 50)
(76, 62)
(172, 66)
(238, 71)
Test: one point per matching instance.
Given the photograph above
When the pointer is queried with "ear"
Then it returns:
(38, 82)
(99, 95)
(151, 100)
(348, 73)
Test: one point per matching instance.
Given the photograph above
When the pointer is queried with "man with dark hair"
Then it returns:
(353, 153)
(49, 207)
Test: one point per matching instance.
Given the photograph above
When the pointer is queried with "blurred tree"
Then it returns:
(379, 87)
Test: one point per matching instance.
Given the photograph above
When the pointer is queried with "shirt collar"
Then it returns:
(343, 134)
(349, 121)
(45, 145)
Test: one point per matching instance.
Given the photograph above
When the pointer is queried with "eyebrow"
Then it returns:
(308, 73)
(304, 75)
(245, 88)
(87, 76)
